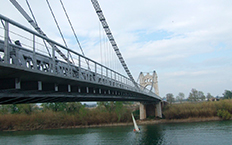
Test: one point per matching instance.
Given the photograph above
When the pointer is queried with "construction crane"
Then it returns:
(30, 20)
(111, 38)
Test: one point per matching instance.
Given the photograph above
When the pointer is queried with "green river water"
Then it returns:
(201, 133)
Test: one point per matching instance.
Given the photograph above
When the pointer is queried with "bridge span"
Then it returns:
(29, 74)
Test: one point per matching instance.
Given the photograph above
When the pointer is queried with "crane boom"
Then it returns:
(111, 38)
(28, 18)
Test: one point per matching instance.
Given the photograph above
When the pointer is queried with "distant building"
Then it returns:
(214, 99)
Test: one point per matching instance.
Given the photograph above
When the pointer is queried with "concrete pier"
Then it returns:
(150, 109)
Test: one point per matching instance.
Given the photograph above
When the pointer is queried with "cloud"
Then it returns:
(186, 42)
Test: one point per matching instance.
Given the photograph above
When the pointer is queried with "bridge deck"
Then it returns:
(28, 76)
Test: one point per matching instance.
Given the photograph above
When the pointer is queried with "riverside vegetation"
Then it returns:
(66, 115)
(197, 107)
(222, 109)
(61, 115)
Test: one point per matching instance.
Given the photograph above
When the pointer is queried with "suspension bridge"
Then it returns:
(41, 70)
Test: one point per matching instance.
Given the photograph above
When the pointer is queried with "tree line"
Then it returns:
(194, 96)
(65, 107)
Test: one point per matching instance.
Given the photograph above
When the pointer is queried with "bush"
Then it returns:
(224, 114)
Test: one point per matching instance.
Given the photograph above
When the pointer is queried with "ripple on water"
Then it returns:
(204, 133)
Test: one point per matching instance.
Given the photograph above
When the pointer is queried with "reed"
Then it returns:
(49, 119)
(196, 110)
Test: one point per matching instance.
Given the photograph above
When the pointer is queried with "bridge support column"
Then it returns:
(150, 110)
(17, 83)
(6, 44)
(143, 113)
(158, 110)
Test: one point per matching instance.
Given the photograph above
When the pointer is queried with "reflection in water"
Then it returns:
(151, 134)
(182, 133)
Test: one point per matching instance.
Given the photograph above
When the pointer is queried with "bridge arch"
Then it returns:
(148, 79)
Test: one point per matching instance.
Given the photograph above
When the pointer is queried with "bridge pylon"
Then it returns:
(147, 108)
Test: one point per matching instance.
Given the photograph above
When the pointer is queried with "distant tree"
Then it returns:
(201, 95)
(109, 105)
(5, 109)
(73, 107)
(193, 95)
(180, 97)
(14, 109)
(209, 96)
(54, 106)
(25, 108)
(170, 98)
(119, 109)
(227, 94)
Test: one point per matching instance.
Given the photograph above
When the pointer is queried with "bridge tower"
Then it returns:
(147, 109)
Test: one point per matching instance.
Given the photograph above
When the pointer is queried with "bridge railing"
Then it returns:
(24, 47)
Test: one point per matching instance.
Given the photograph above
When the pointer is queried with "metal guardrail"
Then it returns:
(29, 51)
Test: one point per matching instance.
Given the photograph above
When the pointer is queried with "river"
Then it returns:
(203, 133)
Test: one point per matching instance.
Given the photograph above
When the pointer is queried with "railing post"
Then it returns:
(101, 74)
(111, 75)
(6, 44)
(53, 60)
(34, 58)
(79, 66)
(107, 72)
(69, 70)
(95, 72)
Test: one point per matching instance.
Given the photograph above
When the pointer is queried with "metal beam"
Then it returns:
(111, 38)
(37, 28)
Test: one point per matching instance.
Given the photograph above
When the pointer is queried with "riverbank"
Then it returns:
(139, 122)
(155, 121)
(114, 116)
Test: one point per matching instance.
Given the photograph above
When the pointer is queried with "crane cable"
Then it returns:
(78, 42)
(37, 25)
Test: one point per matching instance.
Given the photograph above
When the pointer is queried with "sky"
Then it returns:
(188, 43)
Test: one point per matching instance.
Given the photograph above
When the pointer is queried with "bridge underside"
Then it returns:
(41, 70)
(21, 85)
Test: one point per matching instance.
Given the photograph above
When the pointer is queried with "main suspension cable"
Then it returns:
(28, 5)
(53, 15)
(78, 42)
(57, 25)
(72, 27)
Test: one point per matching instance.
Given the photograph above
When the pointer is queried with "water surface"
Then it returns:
(204, 133)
